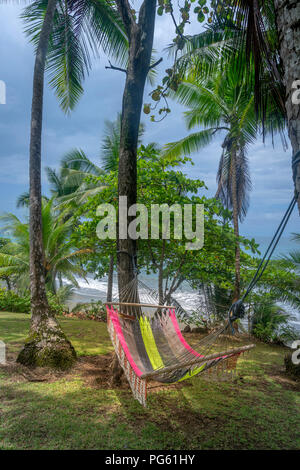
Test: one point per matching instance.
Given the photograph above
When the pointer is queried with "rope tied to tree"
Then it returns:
(295, 161)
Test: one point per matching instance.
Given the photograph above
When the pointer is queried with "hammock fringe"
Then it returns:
(138, 385)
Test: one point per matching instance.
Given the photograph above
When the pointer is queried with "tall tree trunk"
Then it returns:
(288, 24)
(46, 344)
(110, 279)
(140, 35)
(235, 226)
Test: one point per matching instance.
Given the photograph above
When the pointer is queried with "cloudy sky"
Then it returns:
(270, 167)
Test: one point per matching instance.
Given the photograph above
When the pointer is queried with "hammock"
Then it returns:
(150, 346)
(147, 337)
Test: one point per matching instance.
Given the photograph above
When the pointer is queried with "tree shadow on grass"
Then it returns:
(69, 415)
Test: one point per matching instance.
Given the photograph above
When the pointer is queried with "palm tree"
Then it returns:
(61, 258)
(222, 103)
(271, 27)
(61, 32)
(35, 351)
(267, 32)
(68, 185)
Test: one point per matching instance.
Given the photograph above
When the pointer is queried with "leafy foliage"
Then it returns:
(10, 301)
(161, 182)
(61, 258)
(270, 321)
(91, 310)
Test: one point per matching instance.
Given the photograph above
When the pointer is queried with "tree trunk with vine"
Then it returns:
(140, 34)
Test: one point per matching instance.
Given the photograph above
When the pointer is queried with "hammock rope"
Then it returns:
(237, 309)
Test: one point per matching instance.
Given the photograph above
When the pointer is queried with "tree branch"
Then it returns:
(173, 286)
(156, 63)
(176, 26)
(115, 68)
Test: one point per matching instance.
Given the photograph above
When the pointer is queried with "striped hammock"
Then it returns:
(152, 347)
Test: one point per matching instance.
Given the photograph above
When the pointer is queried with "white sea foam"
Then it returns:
(95, 289)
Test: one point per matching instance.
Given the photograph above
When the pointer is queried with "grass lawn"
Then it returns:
(78, 410)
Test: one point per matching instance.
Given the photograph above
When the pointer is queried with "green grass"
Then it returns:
(261, 410)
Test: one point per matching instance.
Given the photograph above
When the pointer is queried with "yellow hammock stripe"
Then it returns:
(150, 345)
(190, 374)
(153, 353)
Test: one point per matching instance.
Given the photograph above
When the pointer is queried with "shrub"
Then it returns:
(270, 322)
(93, 309)
(194, 318)
(10, 301)
(55, 304)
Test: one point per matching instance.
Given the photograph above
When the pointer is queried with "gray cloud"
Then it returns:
(270, 168)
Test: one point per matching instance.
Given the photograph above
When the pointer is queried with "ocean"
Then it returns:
(189, 299)
(95, 289)
(285, 245)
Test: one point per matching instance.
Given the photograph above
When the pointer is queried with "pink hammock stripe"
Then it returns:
(116, 322)
(178, 332)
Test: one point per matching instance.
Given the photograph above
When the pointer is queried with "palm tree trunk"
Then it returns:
(235, 226)
(287, 18)
(46, 344)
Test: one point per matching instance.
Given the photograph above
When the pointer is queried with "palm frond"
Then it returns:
(80, 27)
(110, 145)
(243, 181)
(189, 144)
(23, 200)
(258, 40)
(76, 159)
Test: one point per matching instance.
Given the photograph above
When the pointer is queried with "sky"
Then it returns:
(270, 167)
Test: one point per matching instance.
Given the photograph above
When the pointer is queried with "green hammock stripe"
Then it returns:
(153, 352)
(192, 373)
(150, 345)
